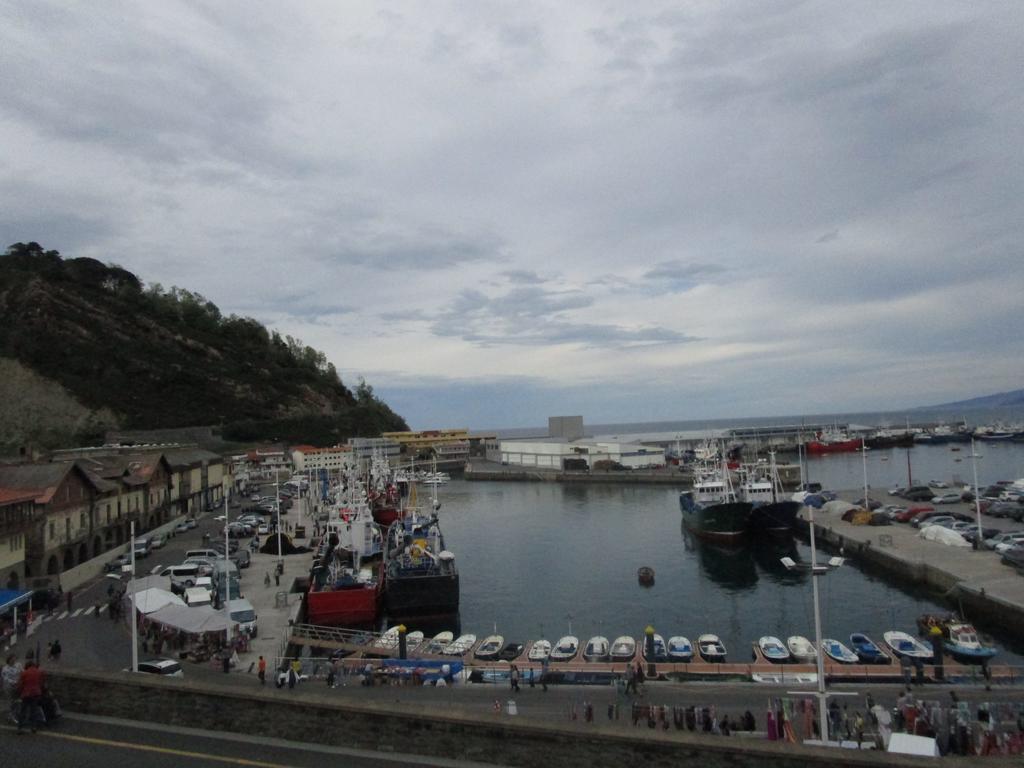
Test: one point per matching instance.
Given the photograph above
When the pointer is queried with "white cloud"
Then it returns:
(709, 207)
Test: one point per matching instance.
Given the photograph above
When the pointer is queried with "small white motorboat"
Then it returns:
(660, 652)
(566, 648)
(490, 647)
(387, 641)
(596, 649)
(903, 644)
(438, 643)
(836, 651)
(623, 648)
(773, 649)
(711, 648)
(680, 649)
(540, 650)
(801, 649)
(459, 645)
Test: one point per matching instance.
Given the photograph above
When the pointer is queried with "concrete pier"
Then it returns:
(986, 589)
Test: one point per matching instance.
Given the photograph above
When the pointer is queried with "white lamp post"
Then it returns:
(977, 492)
(227, 573)
(277, 495)
(817, 570)
(134, 606)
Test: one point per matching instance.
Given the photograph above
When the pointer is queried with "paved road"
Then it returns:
(92, 742)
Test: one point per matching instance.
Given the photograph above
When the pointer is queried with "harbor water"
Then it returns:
(538, 558)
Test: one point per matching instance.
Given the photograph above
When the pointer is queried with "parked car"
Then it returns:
(232, 546)
(904, 515)
(986, 533)
(1009, 543)
(946, 498)
(919, 493)
(241, 558)
(993, 541)
(118, 563)
(899, 490)
(936, 520)
(181, 527)
(157, 540)
(1014, 556)
(141, 549)
(191, 522)
(44, 598)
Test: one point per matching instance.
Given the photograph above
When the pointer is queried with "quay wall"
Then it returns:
(891, 562)
(451, 734)
(556, 476)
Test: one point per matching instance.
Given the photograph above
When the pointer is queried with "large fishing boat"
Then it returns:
(832, 442)
(422, 578)
(771, 509)
(346, 581)
(711, 509)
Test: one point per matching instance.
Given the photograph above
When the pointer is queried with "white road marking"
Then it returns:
(73, 615)
(62, 616)
(156, 568)
(89, 610)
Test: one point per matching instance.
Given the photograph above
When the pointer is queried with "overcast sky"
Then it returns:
(495, 212)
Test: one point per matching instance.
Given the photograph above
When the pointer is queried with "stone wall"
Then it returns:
(449, 735)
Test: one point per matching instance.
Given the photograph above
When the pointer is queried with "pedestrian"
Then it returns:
(226, 660)
(10, 676)
(906, 670)
(30, 692)
(99, 607)
(331, 676)
(544, 674)
(630, 680)
(266, 579)
(261, 670)
(639, 676)
(55, 650)
(70, 593)
(277, 577)
(514, 678)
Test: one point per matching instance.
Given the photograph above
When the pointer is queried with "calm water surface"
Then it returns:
(536, 558)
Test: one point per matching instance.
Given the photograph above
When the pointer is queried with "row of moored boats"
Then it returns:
(959, 639)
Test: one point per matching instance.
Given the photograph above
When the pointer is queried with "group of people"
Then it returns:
(30, 703)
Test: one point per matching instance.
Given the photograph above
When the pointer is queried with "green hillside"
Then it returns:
(139, 357)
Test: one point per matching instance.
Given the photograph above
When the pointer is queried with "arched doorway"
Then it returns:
(83, 553)
(69, 559)
(97, 546)
(52, 566)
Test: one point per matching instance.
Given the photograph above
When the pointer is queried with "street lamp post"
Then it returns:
(277, 495)
(977, 493)
(227, 574)
(816, 571)
(134, 605)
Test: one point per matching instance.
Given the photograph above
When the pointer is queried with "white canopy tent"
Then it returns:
(150, 600)
(194, 620)
(944, 536)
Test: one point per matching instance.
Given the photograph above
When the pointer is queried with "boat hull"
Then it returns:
(818, 448)
(726, 522)
(430, 595)
(777, 517)
(354, 607)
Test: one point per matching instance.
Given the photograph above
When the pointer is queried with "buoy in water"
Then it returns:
(645, 575)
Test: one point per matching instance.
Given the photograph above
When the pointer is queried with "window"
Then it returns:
(53, 530)
(67, 527)
(83, 520)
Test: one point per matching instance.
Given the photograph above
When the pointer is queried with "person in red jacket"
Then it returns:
(30, 690)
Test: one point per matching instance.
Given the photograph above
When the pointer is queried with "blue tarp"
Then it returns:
(12, 597)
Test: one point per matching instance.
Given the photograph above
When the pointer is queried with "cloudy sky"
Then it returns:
(499, 211)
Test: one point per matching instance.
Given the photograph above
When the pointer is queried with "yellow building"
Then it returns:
(443, 443)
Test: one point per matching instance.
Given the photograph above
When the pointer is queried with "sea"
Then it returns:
(547, 559)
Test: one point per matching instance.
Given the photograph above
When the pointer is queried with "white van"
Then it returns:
(197, 596)
(210, 553)
(244, 614)
(182, 572)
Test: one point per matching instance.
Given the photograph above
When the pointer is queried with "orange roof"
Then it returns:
(16, 495)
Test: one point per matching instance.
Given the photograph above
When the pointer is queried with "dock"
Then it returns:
(975, 582)
(362, 647)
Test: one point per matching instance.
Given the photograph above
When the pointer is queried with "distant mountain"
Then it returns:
(84, 348)
(1002, 400)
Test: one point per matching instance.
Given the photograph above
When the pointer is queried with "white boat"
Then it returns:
(490, 647)
(711, 648)
(680, 649)
(773, 649)
(540, 650)
(566, 648)
(836, 651)
(801, 649)
(660, 652)
(596, 649)
(438, 642)
(459, 645)
(387, 641)
(623, 648)
(413, 640)
(903, 644)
